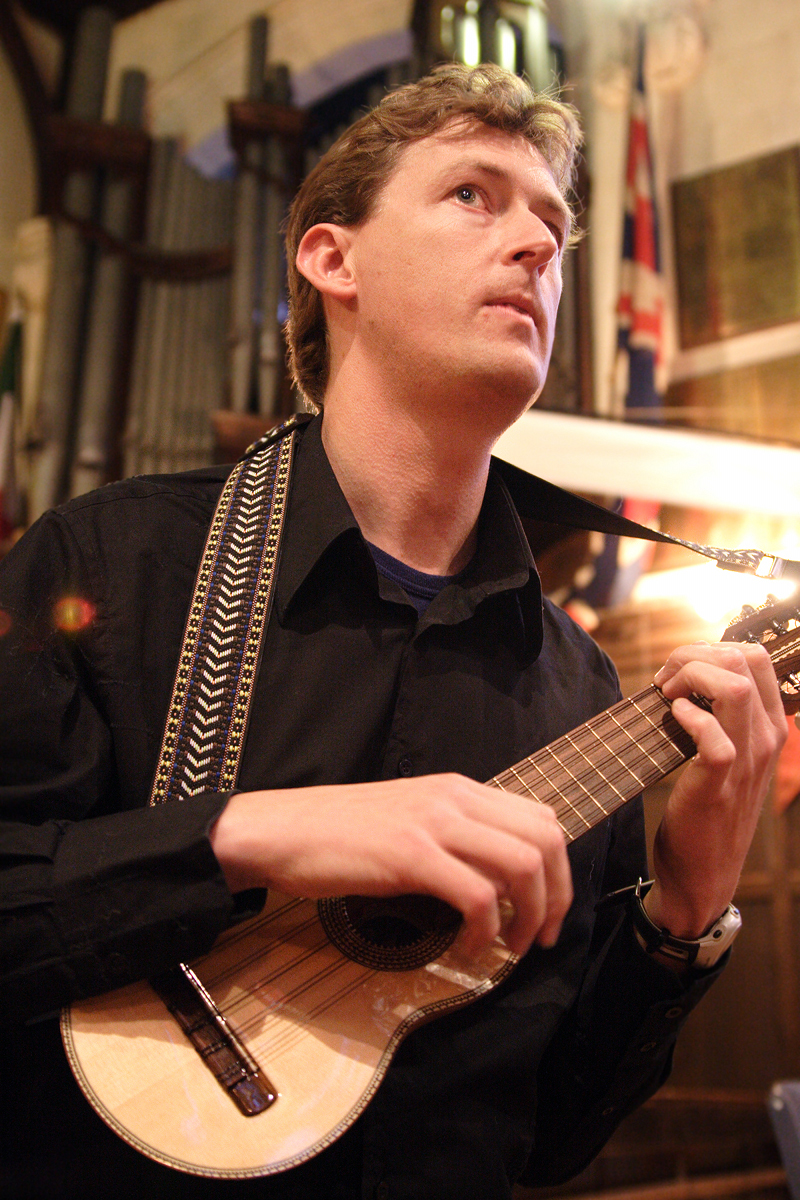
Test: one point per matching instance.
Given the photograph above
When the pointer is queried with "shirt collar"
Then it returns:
(319, 516)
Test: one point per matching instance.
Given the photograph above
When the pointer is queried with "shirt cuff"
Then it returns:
(132, 894)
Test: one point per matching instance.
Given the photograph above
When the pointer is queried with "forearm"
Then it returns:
(89, 906)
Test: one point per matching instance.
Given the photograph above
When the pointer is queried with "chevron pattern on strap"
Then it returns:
(207, 718)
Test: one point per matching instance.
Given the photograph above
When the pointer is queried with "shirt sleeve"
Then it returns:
(614, 1047)
(90, 898)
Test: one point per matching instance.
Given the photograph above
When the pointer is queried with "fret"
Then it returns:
(595, 768)
(581, 785)
(562, 795)
(588, 774)
(678, 739)
(524, 784)
(557, 792)
(637, 782)
(513, 780)
(639, 745)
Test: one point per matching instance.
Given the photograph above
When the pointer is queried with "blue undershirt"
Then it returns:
(420, 587)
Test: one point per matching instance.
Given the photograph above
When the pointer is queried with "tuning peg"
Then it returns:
(747, 611)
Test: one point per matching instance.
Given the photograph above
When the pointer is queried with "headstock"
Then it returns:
(776, 625)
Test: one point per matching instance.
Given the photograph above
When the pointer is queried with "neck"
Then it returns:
(415, 489)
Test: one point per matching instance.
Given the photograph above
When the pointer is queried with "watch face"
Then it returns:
(711, 948)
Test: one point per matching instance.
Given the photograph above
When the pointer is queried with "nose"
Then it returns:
(533, 241)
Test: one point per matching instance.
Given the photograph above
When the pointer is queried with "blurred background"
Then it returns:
(147, 155)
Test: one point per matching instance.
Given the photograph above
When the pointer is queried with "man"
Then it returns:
(409, 656)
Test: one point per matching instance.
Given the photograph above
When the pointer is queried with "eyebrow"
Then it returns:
(554, 203)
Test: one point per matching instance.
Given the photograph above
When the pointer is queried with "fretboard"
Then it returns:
(589, 773)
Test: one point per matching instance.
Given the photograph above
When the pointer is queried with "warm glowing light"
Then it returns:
(5, 622)
(71, 614)
(715, 595)
(470, 41)
(506, 45)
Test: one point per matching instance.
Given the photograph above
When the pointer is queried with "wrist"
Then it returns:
(686, 915)
(701, 952)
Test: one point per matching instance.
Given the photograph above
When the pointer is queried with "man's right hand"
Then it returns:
(443, 835)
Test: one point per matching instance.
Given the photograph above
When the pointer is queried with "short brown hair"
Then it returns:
(343, 187)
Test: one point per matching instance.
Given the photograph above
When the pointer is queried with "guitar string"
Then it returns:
(287, 1039)
(249, 929)
(275, 1046)
(288, 966)
(275, 1036)
(614, 734)
(275, 1021)
(611, 759)
(614, 759)
(565, 798)
(233, 936)
(260, 951)
(621, 725)
(618, 760)
(663, 739)
(549, 783)
(300, 959)
(271, 1011)
(564, 762)
(290, 1036)
(607, 761)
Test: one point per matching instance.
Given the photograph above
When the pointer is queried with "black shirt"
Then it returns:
(97, 890)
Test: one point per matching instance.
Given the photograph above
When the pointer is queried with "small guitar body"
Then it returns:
(263, 1052)
(321, 1026)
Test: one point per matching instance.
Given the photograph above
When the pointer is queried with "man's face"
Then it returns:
(458, 270)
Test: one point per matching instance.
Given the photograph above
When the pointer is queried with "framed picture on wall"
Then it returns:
(737, 244)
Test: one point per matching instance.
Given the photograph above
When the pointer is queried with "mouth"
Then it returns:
(518, 304)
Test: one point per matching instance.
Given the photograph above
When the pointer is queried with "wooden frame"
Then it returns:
(737, 245)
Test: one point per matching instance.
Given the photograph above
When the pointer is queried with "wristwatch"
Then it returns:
(701, 953)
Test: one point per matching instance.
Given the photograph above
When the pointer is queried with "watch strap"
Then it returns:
(701, 953)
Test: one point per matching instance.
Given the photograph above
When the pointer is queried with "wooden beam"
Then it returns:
(705, 1187)
(34, 95)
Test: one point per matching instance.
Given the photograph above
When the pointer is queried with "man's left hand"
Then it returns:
(711, 815)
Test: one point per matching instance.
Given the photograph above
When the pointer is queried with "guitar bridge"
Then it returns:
(223, 1053)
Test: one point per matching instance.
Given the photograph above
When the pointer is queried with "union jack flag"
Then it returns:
(639, 366)
(639, 376)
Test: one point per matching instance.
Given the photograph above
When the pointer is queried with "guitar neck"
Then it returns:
(591, 772)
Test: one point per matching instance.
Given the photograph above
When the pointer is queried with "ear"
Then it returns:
(323, 257)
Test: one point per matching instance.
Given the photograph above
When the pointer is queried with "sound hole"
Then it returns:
(394, 934)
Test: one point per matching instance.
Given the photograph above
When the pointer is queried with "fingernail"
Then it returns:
(660, 676)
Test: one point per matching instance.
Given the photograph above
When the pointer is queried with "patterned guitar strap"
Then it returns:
(207, 717)
(208, 713)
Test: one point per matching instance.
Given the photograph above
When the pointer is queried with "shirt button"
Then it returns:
(405, 767)
(672, 1014)
(647, 1047)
